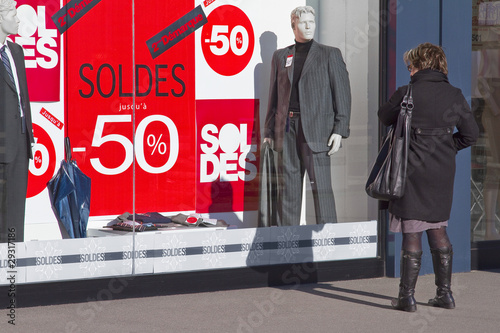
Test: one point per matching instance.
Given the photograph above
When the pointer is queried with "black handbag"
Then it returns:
(388, 175)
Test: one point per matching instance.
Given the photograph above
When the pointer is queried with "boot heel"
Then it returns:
(404, 304)
(445, 301)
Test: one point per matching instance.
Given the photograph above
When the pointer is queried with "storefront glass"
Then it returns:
(485, 177)
(164, 104)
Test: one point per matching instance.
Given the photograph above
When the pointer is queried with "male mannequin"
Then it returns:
(16, 134)
(308, 115)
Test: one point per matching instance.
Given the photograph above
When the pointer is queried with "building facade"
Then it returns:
(164, 104)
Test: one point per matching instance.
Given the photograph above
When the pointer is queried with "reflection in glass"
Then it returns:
(485, 179)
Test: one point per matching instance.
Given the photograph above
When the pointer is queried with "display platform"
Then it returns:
(183, 250)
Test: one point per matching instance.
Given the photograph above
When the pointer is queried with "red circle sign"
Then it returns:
(227, 40)
(43, 164)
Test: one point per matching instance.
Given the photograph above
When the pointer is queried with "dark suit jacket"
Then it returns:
(324, 95)
(10, 123)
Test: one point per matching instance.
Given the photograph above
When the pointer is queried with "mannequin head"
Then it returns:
(9, 22)
(303, 23)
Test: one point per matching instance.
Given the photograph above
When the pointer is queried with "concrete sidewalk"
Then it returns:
(341, 306)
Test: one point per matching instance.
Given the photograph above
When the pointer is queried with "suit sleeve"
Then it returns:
(341, 91)
(273, 100)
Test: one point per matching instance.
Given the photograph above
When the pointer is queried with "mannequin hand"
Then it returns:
(334, 142)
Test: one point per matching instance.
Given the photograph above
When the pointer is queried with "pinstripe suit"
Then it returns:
(15, 147)
(325, 107)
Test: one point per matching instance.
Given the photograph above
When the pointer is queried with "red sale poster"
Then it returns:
(127, 114)
(227, 117)
(228, 40)
(228, 162)
(42, 48)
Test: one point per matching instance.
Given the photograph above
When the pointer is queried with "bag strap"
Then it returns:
(407, 103)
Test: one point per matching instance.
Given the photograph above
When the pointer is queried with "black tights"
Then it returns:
(437, 238)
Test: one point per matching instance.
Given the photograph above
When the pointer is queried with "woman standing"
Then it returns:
(439, 108)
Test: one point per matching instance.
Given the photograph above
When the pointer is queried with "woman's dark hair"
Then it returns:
(426, 56)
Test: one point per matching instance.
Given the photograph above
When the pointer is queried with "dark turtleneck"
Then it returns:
(301, 50)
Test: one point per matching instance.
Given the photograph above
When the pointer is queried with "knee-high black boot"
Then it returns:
(410, 267)
(442, 261)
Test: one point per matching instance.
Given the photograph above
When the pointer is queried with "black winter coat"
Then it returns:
(439, 108)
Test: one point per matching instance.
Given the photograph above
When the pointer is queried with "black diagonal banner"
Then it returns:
(72, 12)
(176, 32)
